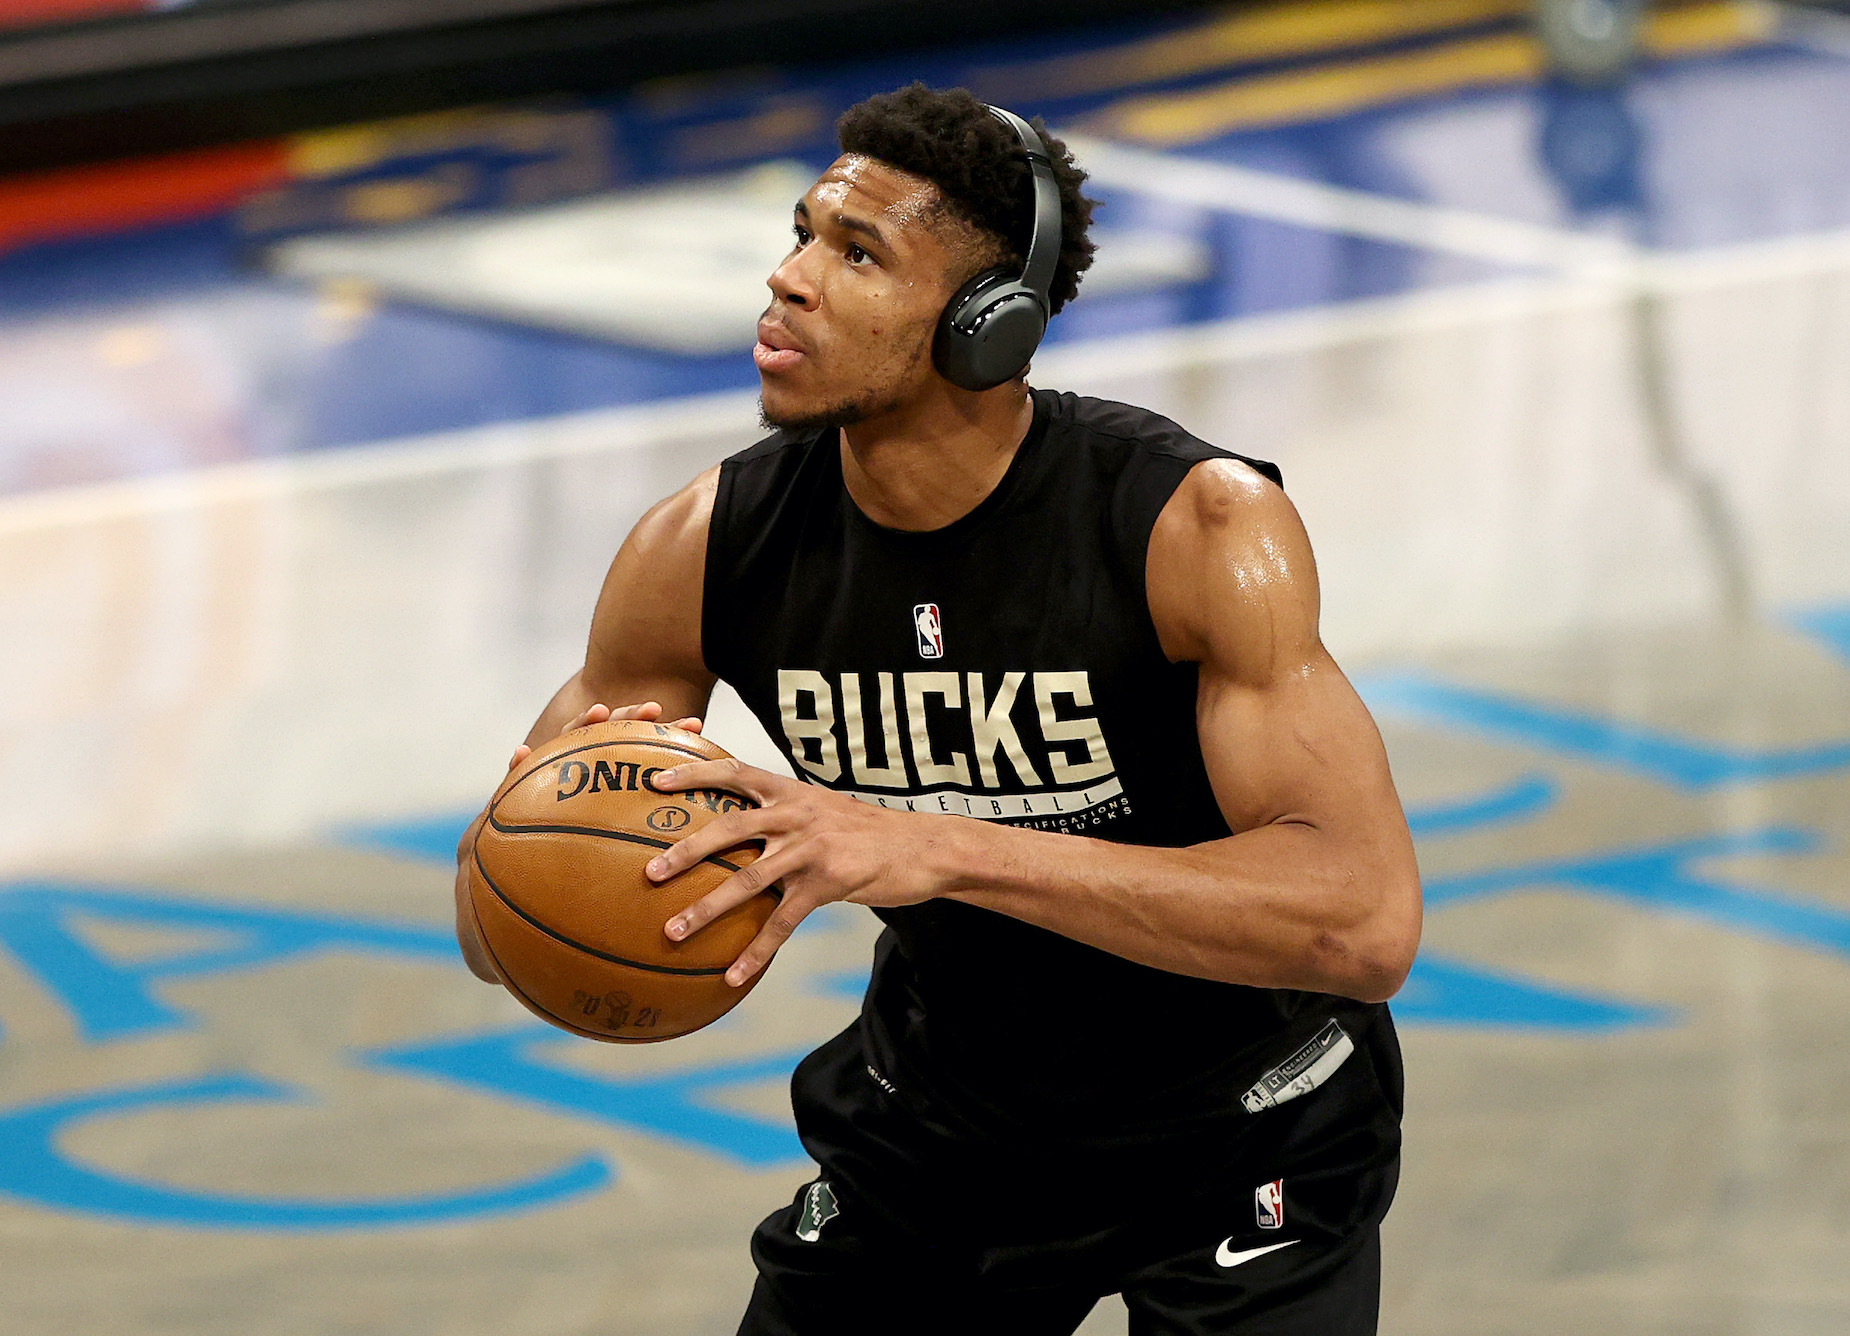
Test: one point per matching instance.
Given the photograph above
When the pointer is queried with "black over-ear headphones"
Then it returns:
(995, 322)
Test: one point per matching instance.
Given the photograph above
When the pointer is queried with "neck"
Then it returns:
(927, 464)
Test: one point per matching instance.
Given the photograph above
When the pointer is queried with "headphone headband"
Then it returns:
(1044, 240)
(995, 322)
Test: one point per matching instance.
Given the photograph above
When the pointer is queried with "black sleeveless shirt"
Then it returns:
(1004, 668)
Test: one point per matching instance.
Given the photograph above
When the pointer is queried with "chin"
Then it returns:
(786, 413)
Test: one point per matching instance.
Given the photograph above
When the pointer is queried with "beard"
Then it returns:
(893, 376)
(830, 417)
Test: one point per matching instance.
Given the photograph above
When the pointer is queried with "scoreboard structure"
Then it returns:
(82, 80)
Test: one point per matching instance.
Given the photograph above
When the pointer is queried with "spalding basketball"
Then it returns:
(571, 922)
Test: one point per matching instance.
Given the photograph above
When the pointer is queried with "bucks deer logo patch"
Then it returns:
(819, 1207)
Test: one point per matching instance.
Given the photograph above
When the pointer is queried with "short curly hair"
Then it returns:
(948, 137)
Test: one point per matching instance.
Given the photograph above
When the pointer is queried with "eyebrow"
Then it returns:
(849, 224)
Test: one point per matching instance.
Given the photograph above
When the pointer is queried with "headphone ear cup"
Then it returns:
(989, 331)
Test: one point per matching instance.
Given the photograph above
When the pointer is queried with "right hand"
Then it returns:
(648, 711)
(468, 936)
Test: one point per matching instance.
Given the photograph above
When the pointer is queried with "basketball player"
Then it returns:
(1049, 670)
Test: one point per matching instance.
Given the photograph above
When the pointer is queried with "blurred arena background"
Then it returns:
(342, 340)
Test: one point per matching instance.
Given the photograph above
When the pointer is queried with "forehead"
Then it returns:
(903, 204)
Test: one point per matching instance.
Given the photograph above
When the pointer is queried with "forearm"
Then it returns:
(1284, 905)
(642, 659)
(468, 935)
(568, 703)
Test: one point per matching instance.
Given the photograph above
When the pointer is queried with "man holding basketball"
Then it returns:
(1050, 672)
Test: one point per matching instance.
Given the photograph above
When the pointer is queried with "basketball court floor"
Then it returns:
(311, 460)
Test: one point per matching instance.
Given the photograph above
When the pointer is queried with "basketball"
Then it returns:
(572, 923)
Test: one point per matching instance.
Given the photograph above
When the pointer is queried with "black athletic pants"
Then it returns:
(850, 1281)
(897, 1239)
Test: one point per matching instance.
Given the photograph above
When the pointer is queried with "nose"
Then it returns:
(793, 282)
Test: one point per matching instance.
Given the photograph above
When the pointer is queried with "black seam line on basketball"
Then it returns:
(603, 835)
(531, 1002)
(703, 972)
(610, 742)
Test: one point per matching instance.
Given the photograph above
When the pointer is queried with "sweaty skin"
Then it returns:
(1317, 888)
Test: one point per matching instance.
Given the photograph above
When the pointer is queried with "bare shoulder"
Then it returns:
(1226, 495)
(676, 526)
(1230, 573)
(648, 620)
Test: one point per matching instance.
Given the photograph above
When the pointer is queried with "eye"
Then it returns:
(858, 256)
(801, 233)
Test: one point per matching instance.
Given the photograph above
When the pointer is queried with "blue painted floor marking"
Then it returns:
(33, 1168)
(1830, 626)
(850, 985)
(1529, 796)
(681, 1105)
(112, 999)
(431, 837)
(1443, 991)
(674, 1105)
(1686, 762)
(1665, 877)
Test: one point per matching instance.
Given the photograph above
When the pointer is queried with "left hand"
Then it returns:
(468, 932)
(822, 846)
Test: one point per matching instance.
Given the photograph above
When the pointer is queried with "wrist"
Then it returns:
(963, 858)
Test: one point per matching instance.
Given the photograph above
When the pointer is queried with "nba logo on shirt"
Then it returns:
(1269, 1204)
(931, 631)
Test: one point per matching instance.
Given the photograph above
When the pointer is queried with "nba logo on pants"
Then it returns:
(930, 629)
(1269, 1204)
